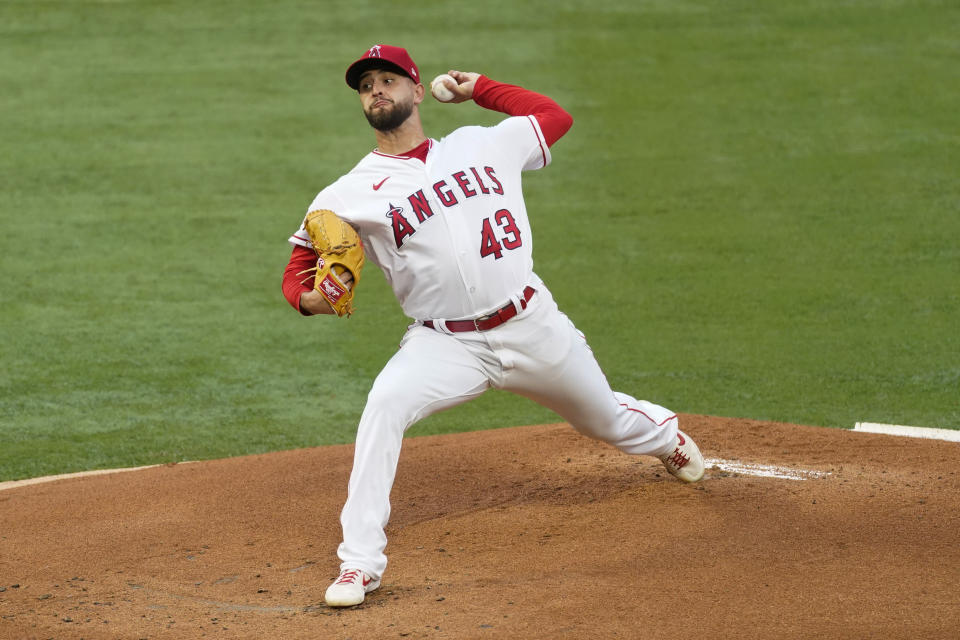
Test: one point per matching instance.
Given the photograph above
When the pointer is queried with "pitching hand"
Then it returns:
(466, 80)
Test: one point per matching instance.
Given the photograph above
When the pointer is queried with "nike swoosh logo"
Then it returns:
(380, 184)
(367, 580)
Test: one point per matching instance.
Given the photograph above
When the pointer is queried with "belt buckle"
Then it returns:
(476, 321)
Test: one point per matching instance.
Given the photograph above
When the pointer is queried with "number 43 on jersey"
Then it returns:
(505, 236)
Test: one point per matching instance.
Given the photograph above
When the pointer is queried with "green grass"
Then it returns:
(757, 212)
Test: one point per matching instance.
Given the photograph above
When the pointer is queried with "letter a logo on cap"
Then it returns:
(382, 56)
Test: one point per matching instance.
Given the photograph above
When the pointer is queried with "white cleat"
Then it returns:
(350, 588)
(685, 461)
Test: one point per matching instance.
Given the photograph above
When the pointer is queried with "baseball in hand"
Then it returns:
(440, 90)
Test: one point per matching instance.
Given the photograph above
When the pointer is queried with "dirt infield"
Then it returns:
(531, 532)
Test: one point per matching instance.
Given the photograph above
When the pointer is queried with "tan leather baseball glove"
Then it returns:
(339, 251)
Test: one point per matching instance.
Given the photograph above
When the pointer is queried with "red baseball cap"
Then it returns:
(382, 56)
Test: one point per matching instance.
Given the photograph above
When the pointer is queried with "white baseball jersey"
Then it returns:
(451, 235)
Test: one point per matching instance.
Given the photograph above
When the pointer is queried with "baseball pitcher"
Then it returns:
(446, 222)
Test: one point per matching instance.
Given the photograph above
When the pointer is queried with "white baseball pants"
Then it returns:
(538, 354)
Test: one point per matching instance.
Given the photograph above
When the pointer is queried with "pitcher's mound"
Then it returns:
(530, 532)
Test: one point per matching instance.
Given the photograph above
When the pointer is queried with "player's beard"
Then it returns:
(389, 118)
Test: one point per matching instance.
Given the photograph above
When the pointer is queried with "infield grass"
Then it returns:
(756, 214)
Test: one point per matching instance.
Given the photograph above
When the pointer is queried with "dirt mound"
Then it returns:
(530, 532)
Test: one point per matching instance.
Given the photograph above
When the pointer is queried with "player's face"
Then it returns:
(388, 98)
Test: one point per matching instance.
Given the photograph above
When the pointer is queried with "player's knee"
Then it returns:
(393, 401)
(385, 396)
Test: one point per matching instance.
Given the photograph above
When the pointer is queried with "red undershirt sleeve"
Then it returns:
(300, 260)
(517, 101)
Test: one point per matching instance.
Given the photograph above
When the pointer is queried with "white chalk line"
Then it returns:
(13, 484)
(764, 470)
(950, 435)
(772, 471)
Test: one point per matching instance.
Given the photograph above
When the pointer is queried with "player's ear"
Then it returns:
(418, 93)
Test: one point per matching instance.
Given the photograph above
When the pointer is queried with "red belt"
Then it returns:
(487, 322)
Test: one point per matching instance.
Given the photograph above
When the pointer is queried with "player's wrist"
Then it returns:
(480, 86)
(313, 303)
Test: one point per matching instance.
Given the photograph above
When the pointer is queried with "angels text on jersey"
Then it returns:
(499, 231)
